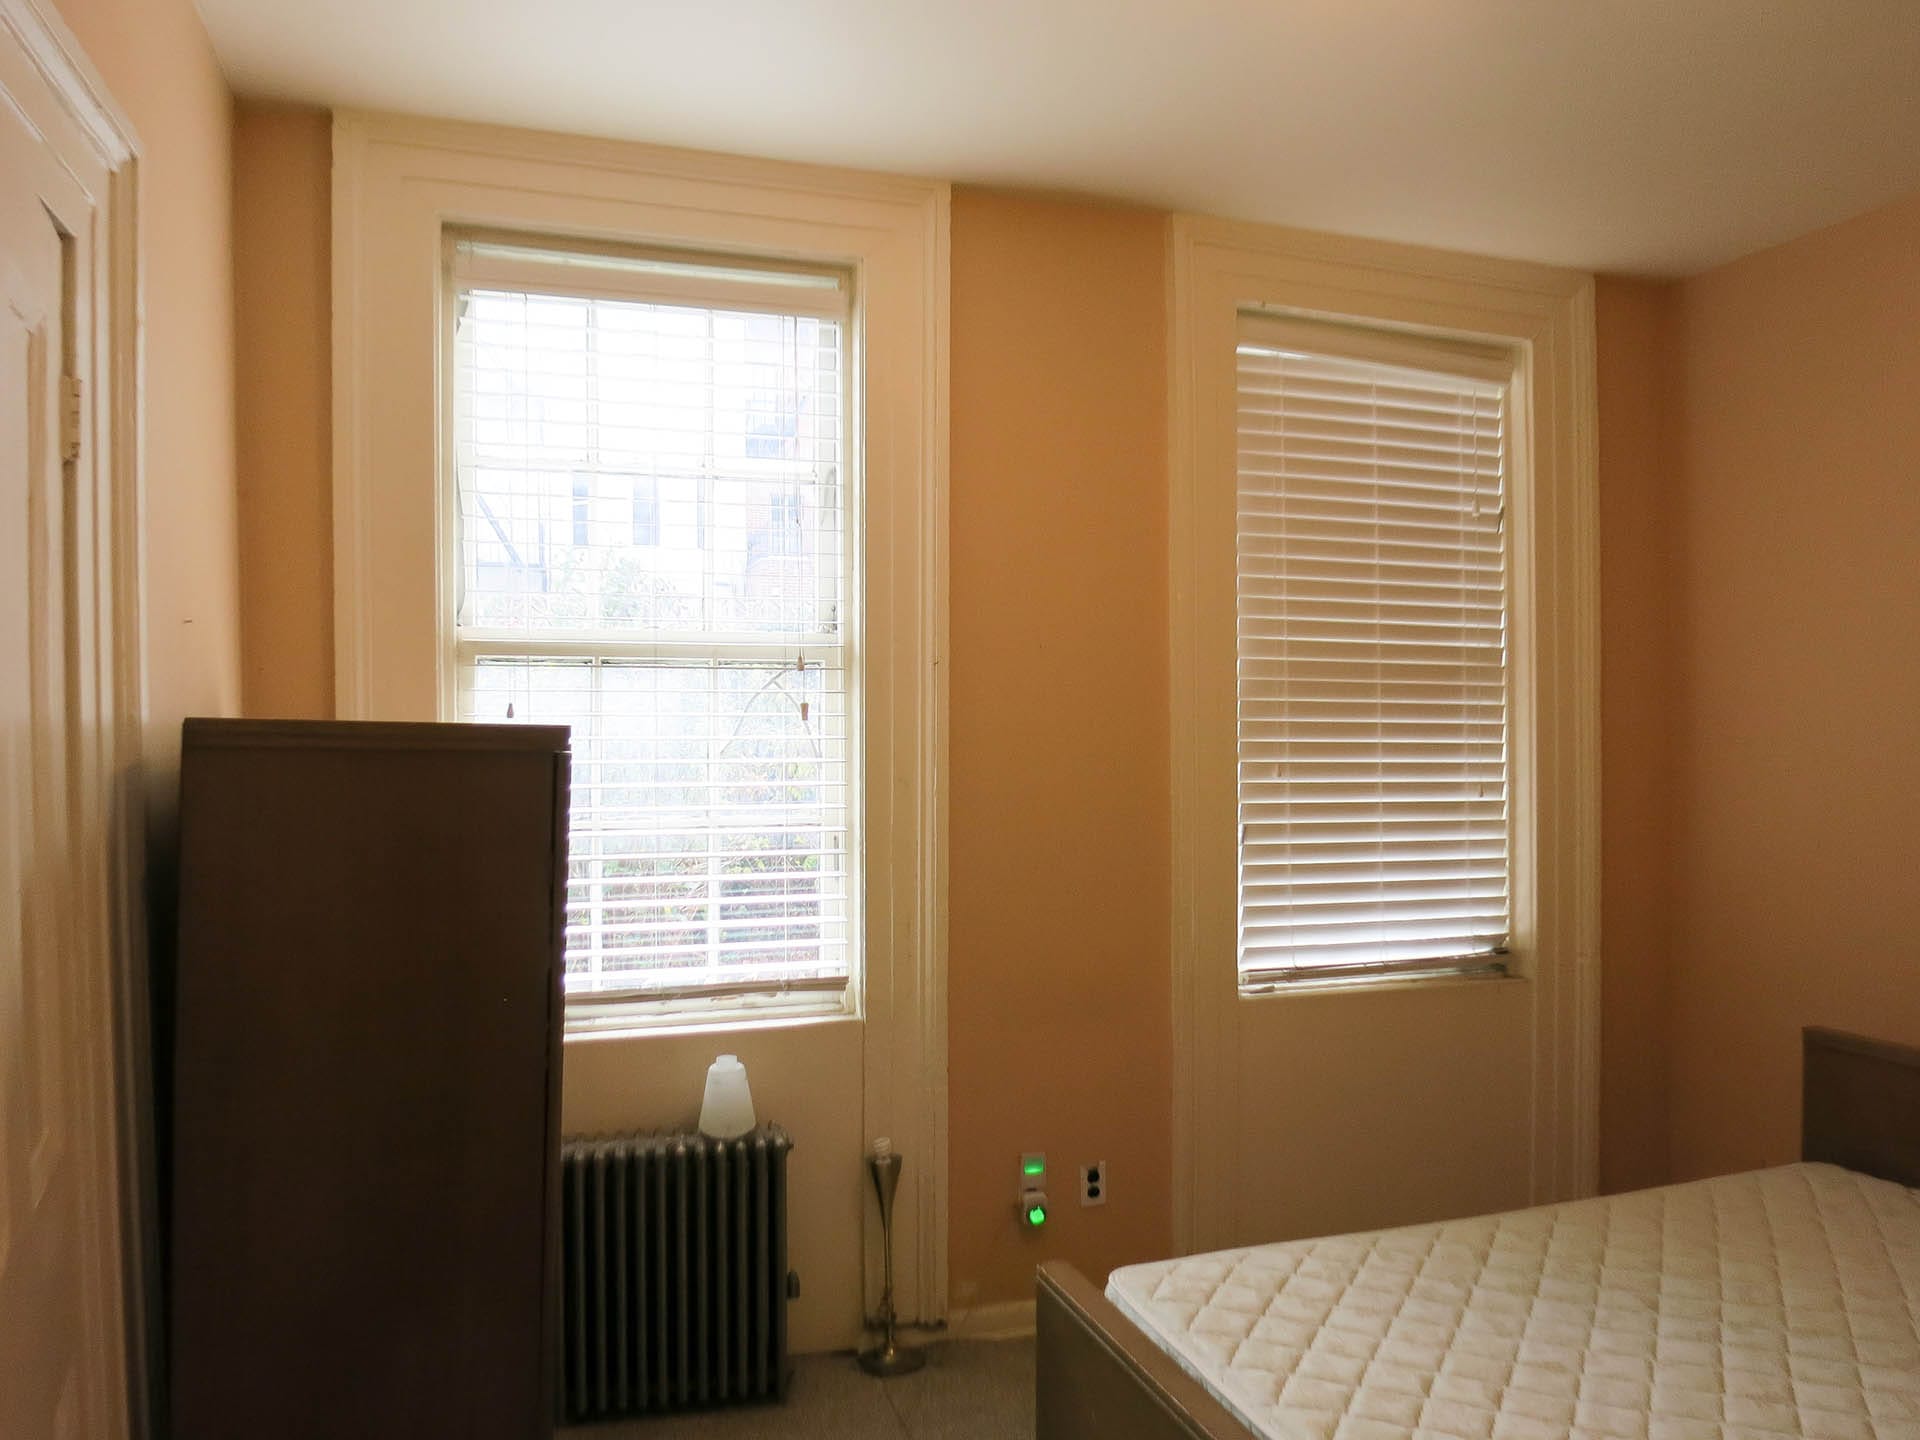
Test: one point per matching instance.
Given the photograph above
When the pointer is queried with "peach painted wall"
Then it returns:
(155, 58)
(1639, 557)
(1059, 982)
(283, 297)
(1799, 719)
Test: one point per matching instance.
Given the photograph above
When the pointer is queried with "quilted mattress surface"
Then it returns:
(1776, 1303)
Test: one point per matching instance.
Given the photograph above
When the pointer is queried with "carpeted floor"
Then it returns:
(970, 1390)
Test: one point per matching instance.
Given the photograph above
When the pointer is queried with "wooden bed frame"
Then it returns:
(1100, 1377)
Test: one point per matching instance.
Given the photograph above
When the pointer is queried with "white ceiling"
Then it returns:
(1654, 136)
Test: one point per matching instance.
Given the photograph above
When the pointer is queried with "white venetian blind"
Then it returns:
(1372, 684)
(653, 548)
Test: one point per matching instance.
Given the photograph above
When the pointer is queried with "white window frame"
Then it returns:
(534, 271)
(1543, 317)
(398, 184)
(1498, 364)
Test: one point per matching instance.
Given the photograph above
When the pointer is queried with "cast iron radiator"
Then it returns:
(674, 1272)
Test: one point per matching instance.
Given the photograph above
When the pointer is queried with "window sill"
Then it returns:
(1369, 985)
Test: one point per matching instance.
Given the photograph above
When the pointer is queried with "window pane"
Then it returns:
(1372, 686)
(709, 823)
(652, 550)
(589, 430)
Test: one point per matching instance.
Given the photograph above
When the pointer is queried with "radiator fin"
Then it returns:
(674, 1278)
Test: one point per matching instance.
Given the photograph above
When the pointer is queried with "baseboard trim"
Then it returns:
(1006, 1320)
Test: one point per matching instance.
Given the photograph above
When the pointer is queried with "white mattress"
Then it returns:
(1778, 1303)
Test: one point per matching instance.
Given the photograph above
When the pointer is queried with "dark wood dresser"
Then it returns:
(363, 1234)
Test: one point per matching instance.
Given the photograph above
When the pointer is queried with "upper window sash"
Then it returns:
(501, 264)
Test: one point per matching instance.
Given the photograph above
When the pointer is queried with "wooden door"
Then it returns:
(60, 1344)
(45, 933)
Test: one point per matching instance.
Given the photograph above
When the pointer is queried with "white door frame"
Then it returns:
(87, 131)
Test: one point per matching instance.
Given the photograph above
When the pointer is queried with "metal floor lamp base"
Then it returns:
(888, 1359)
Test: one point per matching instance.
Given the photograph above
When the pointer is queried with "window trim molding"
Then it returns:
(398, 183)
(1217, 269)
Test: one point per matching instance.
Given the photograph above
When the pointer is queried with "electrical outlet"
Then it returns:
(1093, 1183)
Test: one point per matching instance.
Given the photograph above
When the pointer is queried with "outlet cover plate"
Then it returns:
(1094, 1183)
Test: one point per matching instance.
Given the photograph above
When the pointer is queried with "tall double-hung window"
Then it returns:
(1371, 642)
(654, 507)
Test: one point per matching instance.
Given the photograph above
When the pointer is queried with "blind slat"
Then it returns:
(1372, 685)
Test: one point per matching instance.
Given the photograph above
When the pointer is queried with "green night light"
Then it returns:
(1032, 1205)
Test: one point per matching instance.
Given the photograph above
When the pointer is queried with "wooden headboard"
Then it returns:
(1860, 1104)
